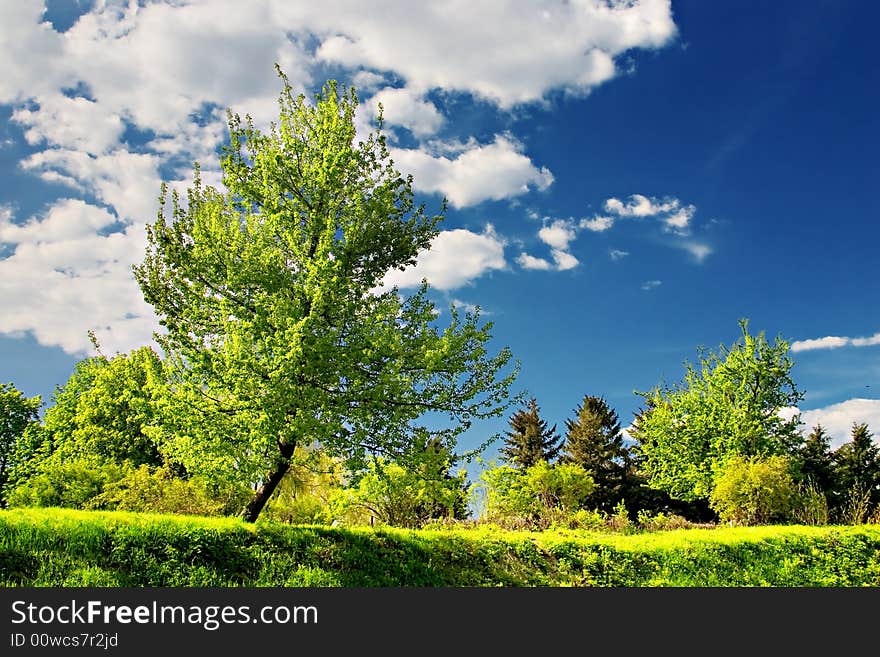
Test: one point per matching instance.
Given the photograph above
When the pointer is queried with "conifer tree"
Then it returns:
(814, 463)
(529, 440)
(858, 464)
(594, 441)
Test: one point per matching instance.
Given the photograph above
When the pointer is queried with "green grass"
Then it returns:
(61, 547)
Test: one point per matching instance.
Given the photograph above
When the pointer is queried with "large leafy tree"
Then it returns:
(529, 439)
(728, 405)
(278, 329)
(594, 441)
(17, 414)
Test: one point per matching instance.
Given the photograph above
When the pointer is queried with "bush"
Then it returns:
(753, 491)
(157, 491)
(810, 505)
(72, 484)
(538, 496)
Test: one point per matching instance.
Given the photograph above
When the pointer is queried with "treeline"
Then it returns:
(704, 450)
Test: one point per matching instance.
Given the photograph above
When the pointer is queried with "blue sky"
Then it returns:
(625, 182)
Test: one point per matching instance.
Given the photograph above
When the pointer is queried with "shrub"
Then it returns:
(810, 505)
(72, 484)
(753, 491)
(156, 490)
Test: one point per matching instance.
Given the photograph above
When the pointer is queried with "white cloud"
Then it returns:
(650, 285)
(456, 258)
(640, 206)
(680, 220)
(597, 224)
(507, 52)
(405, 108)
(527, 261)
(834, 342)
(558, 234)
(564, 260)
(71, 123)
(617, 254)
(482, 172)
(64, 279)
(837, 419)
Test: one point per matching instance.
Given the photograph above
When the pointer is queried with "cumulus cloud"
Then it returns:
(456, 258)
(405, 108)
(64, 279)
(527, 261)
(558, 234)
(834, 342)
(597, 224)
(838, 419)
(481, 172)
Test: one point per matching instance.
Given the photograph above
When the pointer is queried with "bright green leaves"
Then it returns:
(728, 406)
(268, 292)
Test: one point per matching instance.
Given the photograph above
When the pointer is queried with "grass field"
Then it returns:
(61, 547)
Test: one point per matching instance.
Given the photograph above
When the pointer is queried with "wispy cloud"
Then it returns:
(650, 285)
(834, 342)
(617, 254)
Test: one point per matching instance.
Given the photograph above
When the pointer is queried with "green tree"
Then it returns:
(727, 406)
(279, 331)
(593, 440)
(814, 464)
(529, 440)
(858, 466)
(17, 414)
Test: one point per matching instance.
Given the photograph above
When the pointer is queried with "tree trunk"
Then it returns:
(282, 465)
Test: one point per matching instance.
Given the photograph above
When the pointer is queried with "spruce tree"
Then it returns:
(529, 440)
(594, 441)
(815, 463)
(858, 464)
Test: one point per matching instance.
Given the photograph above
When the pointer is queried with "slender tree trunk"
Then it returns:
(258, 501)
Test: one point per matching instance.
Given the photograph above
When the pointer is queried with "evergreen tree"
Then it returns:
(594, 441)
(858, 464)
(529, 440)
(814, 463)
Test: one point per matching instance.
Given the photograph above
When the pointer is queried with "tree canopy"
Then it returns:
(729, 405)
(277, 328)
(17, 413)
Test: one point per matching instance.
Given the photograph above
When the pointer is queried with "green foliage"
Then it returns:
(594, 441)
(810, 505)
(814, 465)
(529, 440)
(404, 496)
(48, 547)
(279, 331)
(858, 473)
(17, 414)
(540, 494)
(66, 483)
(753, 491)
(307, 490)
(728, 406)
(157, 490)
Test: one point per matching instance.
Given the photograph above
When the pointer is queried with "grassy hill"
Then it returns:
(49, 547)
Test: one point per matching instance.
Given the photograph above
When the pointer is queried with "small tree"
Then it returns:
(754, 491)
(17, 413)
(594, 441)
(278, 329)
(728, 406)
(814, 465)
(529, 440)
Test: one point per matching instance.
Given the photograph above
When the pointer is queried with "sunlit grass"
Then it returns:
(63, 547)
